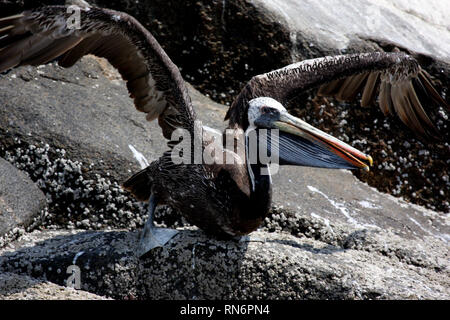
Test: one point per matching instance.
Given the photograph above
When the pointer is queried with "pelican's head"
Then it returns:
(300, 143)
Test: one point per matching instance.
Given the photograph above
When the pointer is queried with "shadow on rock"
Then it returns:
(107, 263)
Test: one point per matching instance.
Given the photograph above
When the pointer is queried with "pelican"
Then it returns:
(223, 199)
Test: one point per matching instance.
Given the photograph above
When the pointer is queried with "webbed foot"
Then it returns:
(152, 237)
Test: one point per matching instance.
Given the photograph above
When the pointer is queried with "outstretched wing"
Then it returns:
(401, 84)
(154, 82)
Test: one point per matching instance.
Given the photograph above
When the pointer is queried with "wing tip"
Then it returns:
(14, 17)
(426, 79)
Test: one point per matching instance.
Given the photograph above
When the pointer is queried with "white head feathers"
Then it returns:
(255, 105)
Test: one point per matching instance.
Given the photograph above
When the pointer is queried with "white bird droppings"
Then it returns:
(139, 157)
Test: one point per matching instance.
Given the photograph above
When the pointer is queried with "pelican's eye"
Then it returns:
(266, 110)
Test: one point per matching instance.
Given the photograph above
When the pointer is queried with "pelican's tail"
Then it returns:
(139, 185)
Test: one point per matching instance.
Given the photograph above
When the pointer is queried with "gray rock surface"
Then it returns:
(79, 110)
(20, 199)
(418, 26)
(339, 196)
(346, 264)
(20, 287)
(80, 154)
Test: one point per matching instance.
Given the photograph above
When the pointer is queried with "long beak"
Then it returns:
(302, 144)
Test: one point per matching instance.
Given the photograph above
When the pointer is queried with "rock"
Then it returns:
(69, 112)
(19, 287)
(424, 27)
(221, 44)
(348, 200)
(20, 199)
(324, 240)
(362, 265)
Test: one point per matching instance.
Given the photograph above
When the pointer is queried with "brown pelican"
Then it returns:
(223, 199)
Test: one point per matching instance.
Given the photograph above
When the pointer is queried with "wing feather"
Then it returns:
(351, 87)
(331, 89)
(385, 98)
(402, 86)
(426, 80)
(370, 90)
(403, 109)
(50, 52)
(86, 46)
(153, 81)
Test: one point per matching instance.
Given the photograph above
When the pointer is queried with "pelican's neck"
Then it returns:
(259, 174)
(251, 168)
(259, 193)
(239, 144)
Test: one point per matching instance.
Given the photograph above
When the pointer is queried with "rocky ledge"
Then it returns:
(76, 135)
(345, 264)
(20, 287)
